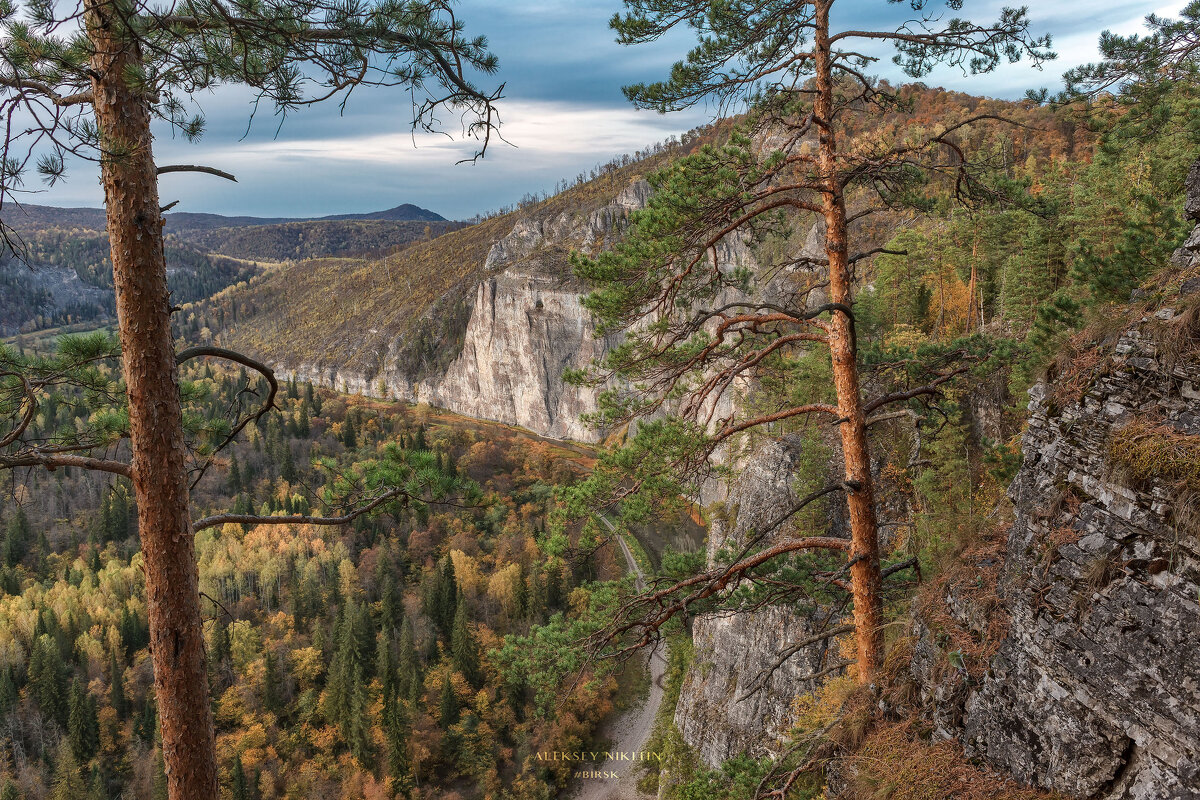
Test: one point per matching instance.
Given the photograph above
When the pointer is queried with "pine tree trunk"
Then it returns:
(155, 416)
(865, 578)
(971, 287)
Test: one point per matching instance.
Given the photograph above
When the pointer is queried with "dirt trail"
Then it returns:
(629, 732)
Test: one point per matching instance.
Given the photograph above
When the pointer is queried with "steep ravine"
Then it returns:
(629, 732)
(712, 715)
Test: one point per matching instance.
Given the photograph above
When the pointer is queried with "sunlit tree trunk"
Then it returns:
(865, 578)
(155, 415)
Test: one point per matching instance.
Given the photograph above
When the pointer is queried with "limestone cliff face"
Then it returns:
(731, 649)
(526, 328)
(525, 331)
(1095, 691)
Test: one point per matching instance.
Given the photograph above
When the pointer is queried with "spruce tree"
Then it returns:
(8, 690)
(68, 783)
(47, 679)
(96, 790)
(17, 534)
(237, 781)
(116, 686)
(410, 665)
(235, 476)
(447, 704)
(464, 650)
(83, 728)
(161, 788)
(272, 698)
(146, 725)
(446, 597)
(396, 732)
(346, 700)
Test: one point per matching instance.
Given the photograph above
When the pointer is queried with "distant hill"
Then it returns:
(402, 213)
(34, 216)
(65, 276)
(323, 238)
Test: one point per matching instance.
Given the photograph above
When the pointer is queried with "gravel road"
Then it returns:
(630, 731)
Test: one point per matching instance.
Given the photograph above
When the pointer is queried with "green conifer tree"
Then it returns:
(447, 704)
(160, 788)
(464, 650)
(409, 670)
(235, 476)
(17, 534)
(272, 699)
(116, 686)
(47, 679)
(8, 690)
(146, 725)
(68, 783)
(237, 781)
(346, 697)
(83, 728)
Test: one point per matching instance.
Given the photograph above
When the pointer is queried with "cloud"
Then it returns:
(564, 113)
(363, 171)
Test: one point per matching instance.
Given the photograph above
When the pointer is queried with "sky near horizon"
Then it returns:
(563, 113)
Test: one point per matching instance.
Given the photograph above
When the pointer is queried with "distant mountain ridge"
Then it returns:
(63, 274)
(29, 215)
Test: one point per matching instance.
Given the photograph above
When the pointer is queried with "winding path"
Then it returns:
(629, 732)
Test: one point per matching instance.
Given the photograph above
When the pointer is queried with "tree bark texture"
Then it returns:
(123, 113)
(865, 578)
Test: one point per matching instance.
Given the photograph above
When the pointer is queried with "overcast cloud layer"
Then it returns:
(563, 113)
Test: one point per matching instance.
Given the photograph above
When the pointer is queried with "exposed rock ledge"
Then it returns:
(525, 330)
(1095, 690)
(527, 326)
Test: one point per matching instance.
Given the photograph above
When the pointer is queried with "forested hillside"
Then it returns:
(407, 312)
(391, 322)
(341, 659)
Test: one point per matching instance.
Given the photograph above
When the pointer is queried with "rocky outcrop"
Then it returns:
(1095, 690)
(526, 328)
(1188, 255)
(525, 332)
(49, 290)
(713, 716)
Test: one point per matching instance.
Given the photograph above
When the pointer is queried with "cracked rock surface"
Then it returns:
(1095, 691)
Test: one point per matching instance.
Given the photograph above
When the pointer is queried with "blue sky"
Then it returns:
(563, 112)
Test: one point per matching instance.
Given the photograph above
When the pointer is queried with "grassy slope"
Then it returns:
(346, 311)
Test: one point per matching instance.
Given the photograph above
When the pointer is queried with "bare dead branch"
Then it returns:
(52, 462)
(195, 168)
